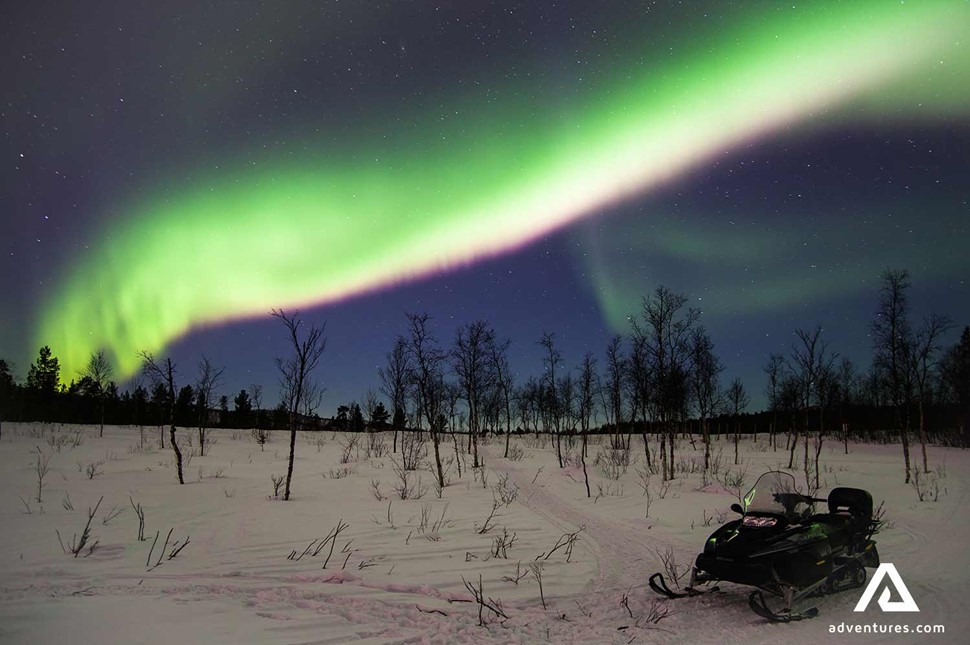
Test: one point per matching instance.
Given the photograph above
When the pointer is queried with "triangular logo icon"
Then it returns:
(905, 604)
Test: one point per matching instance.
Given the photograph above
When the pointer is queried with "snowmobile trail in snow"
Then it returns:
(624, 554)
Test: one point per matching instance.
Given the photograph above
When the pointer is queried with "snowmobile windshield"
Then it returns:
(773, 493)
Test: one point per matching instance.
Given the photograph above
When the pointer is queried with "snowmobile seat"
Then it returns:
(855, 501)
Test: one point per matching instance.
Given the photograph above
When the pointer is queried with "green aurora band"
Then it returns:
(296, 233)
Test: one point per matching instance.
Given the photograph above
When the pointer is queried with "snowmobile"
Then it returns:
(782, 547)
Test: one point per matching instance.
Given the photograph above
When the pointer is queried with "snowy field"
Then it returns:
(259, 570)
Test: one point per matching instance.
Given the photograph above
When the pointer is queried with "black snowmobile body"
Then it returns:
(781, 546)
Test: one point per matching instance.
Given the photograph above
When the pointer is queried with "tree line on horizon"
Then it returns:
(661, 380)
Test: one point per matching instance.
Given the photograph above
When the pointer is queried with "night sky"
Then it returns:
(171, 171)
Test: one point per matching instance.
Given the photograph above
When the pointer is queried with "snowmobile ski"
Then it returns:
(758, 605)
(659, 585)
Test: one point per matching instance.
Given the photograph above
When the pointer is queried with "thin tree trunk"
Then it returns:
(922, 434)
(175, 445)
(670, 447)
(805, 456)
(474, 436)
(178, 455)
(792, 443)
(663, 455)
(508, 423)
(818, 453)
(289, 465)
(705, 428)
(646, 450)
(903, 424)
(454, 439)
(905, 439)
(435, 439)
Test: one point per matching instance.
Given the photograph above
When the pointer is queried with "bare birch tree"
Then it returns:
(99, 372)
(923, 356)
(664, 331)
(705, 371)
(639, 382)
(892, 339)
(552, 397)
(163, 377)
(299, 391)
(427, 361)
(206, 384)
(256, 396)
(586, 407)
(498, 357)
(774, 370)
(395, 377)
(812, 364)
(738, 399)
(612, 391)
(469, 361)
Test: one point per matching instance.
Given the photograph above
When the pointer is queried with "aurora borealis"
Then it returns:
(400, 175)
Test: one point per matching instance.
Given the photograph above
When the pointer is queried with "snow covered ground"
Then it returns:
(254, 571)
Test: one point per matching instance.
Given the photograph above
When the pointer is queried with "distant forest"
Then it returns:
(662, 378)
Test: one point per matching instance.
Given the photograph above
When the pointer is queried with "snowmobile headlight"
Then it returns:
(758, 522)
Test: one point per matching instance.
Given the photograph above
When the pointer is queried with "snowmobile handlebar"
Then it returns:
(798, 497)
